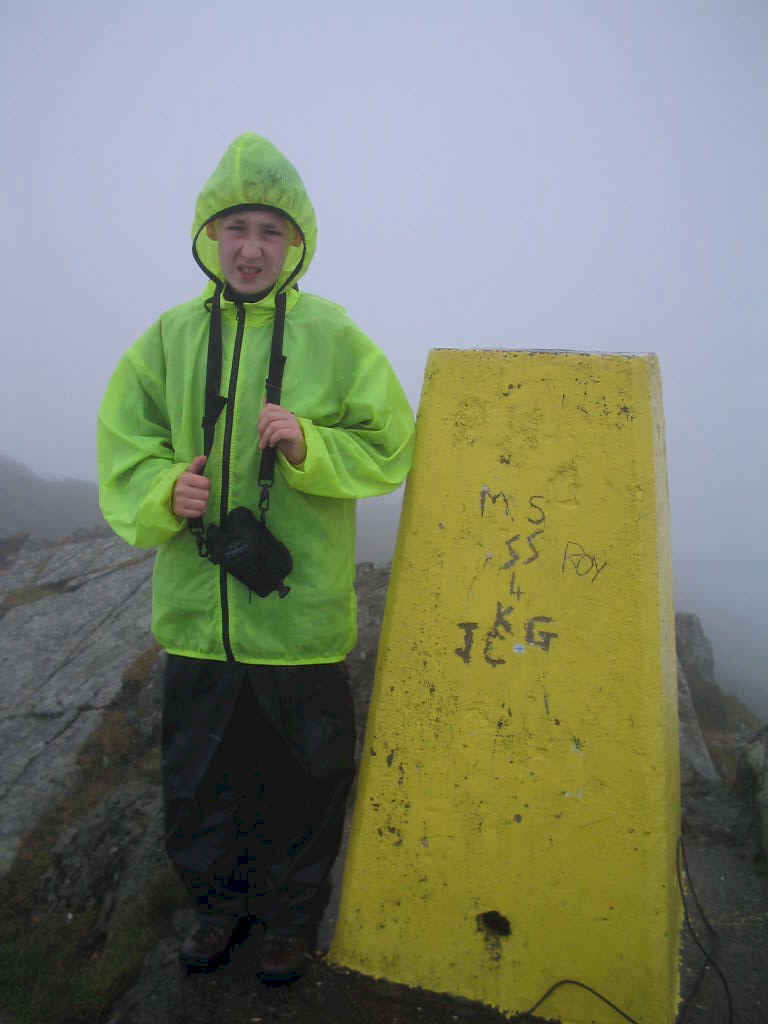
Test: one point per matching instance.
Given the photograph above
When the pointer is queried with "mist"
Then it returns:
(548, 176)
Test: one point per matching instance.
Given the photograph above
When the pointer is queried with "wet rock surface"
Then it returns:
(694, 650)
(752, 782)
(93, 915)
(727, 901)
(72, 617)
(695, 758)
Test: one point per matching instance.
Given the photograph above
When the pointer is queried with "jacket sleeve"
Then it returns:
(137, 466)
(368, 449)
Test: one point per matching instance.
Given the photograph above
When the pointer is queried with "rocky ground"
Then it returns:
(728, 882)
(85, 888)
(734, 897)
(730, 886)
(323, 996)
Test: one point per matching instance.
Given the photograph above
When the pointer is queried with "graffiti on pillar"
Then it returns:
(580, 561)
(465, 652)
(491, 640)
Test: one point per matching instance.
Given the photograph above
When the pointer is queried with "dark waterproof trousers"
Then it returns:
(257, 765)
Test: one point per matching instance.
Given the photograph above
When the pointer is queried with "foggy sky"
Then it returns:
(525, 175)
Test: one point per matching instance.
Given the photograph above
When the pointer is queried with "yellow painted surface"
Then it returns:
(521, 756)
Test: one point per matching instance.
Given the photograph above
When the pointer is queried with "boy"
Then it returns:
(258, 727)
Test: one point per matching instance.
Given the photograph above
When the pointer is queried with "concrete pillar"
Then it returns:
(518, 801)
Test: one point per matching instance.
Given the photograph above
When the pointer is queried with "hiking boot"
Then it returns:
(207, 946)
(284, 958)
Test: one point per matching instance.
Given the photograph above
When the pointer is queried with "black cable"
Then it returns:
(579, 984)
(709, 958)
(684, 1009)
(681, 854)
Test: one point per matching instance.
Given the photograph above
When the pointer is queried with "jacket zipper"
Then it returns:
(228, 426)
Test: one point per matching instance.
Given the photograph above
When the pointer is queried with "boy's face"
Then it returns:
(252, 246)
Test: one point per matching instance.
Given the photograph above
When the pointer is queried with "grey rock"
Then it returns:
(695, 758)
(75, 616)
(752, 778)
(712, 811)
(104, 857)
(38, 767)
(23, 565)
(371, 582)
(694, 648)
(694, 651)
(158, 991)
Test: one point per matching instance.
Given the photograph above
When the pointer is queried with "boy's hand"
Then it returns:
(190, 492)
(279, 428)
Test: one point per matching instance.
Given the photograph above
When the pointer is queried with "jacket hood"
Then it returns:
(253, 172)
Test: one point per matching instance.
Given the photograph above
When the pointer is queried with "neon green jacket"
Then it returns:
(357, 425)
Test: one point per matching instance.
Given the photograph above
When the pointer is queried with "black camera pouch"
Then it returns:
(243, 546)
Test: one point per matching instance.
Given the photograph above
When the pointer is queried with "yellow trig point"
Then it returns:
(518, 802)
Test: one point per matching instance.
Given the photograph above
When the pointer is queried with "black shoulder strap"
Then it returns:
(214, 402)
(274, 383)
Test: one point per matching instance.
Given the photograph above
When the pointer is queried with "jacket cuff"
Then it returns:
(156, 520)
(289, 468)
